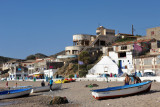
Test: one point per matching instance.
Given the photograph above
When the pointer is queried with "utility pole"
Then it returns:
(132, 29)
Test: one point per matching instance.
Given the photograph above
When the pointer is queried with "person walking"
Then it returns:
(50, 84)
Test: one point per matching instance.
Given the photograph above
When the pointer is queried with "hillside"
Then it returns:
(4, 59)
(59, 53)
(71, 66)
(37, 55)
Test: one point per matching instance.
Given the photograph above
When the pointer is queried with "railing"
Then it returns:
(84, 49)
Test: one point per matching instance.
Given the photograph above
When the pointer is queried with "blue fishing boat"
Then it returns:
(120, 91)
(15, 93)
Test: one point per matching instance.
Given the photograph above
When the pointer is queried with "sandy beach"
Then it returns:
(80, 96)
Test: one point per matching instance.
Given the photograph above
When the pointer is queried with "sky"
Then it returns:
(47, 26)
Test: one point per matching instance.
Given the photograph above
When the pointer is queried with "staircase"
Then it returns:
(85, 48)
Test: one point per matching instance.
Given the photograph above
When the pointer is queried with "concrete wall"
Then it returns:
(82, 37)
(71, 50)
(154, 33)
(148, 63)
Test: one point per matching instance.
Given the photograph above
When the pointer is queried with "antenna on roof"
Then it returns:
(132, 30)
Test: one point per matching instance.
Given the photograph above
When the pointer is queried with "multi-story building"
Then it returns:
(30, 65)
(149, 63)
(16, 70)
(43, 67)
(91, 43)
(121, 54)
(34, 68)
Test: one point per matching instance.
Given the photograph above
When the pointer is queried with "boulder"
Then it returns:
(59, 100)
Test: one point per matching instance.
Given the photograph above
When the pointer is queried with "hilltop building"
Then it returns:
(126, 36)
(91, 43)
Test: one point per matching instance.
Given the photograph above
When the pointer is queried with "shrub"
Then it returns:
(83, 73)
(71, 76)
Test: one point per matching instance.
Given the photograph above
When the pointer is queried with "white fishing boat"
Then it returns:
(21, 87)
(15, 93)
(119, 91)
(46, 88)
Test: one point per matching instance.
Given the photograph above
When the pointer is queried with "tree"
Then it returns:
(84, 57)
(40, 55)
(31, 57)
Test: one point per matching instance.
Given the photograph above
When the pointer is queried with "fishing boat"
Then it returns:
(120, 91)
(46, 88)
(15, 93)
(20, 87)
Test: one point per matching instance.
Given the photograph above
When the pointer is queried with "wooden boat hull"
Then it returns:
(46, 88)
(127, 90)
(15, 93)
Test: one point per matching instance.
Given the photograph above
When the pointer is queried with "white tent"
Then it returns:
(104, 66)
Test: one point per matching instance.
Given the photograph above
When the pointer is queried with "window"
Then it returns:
(87, 43)
(148, 61)
(158, 44)
(102, 43)
(123, 47)
(123, 54)
(110, 49)
(158, 60)
(110, 33)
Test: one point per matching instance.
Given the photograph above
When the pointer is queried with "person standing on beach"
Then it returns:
(7, 84)
(43, 83)
(50, 84)
(136, 79)
(16, 84)
(127, 80)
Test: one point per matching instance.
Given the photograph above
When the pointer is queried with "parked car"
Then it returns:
(60, 77)
(148, 74)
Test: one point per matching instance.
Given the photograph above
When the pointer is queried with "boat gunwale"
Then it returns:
(106, 97)
(26, 89)
(119, 89)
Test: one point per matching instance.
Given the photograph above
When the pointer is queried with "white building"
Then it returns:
(50, 72)
(105, 66)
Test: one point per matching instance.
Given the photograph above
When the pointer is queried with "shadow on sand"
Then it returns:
(64, 88)
(144, 93)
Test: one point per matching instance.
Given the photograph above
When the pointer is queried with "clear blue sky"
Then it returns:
(46, 26)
